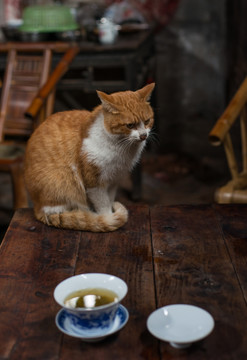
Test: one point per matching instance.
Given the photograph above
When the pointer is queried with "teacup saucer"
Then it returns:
(180, 324)
(69, 324)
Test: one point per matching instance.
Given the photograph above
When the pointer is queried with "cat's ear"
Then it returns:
(146, 91)
(108, 102)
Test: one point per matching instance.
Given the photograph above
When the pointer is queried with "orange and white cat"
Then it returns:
(75, 159)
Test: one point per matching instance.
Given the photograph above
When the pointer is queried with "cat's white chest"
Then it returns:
(107, 152)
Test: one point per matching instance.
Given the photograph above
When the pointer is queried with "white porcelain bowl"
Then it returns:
(92, 318)
(180, 324)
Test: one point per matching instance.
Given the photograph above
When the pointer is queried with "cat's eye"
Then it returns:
(146, 122)
(130, 125)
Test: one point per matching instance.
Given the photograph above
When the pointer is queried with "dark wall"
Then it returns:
(236, 44)
(191, 77)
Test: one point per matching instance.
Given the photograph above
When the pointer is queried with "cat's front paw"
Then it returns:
(120, 211)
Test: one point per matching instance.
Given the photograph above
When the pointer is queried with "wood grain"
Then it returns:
(34, 258)
(167, 254)
(193, 266)
(39, 257)
(126, 253)
(233, 223)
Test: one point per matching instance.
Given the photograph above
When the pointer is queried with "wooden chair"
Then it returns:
(235, 191)
(27, 98)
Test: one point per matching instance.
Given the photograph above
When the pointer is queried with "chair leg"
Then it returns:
(136, 177)
(19, 188)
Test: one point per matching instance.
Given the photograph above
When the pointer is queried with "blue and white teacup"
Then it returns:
(91, 318)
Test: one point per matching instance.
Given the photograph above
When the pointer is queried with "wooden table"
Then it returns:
(177, 254)
(123, 65)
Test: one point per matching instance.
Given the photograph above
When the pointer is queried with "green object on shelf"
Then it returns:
(47, 18)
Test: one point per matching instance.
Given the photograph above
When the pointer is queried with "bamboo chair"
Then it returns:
(27, 98)
(235, 191)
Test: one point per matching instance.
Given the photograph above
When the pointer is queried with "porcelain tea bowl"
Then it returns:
(91, 318)
(180, 324)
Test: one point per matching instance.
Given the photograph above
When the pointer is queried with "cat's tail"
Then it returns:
(86, 220)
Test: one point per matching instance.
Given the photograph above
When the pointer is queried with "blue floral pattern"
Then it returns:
(93, 320)
(91, 327)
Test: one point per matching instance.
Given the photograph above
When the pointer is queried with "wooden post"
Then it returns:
(223, 125)
(60, 69)
(231, 159)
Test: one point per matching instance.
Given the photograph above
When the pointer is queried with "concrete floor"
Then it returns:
(166, 179)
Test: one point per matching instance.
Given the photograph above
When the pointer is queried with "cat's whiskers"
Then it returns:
(153, 138)
(130, 140)
(126, 145)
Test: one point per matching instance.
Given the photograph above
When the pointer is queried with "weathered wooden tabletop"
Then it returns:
(177, 254)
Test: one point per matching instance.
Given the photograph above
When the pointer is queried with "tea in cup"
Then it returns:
(91, 299)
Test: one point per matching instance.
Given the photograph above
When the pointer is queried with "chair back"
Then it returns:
(25, 73)
(235, 191)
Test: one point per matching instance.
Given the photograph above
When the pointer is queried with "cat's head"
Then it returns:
(128, 113)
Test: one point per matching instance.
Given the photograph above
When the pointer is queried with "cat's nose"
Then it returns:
(143, 136)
